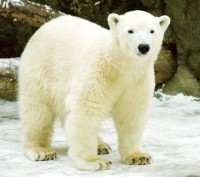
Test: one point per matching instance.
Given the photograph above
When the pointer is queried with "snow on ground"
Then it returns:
(172, 138)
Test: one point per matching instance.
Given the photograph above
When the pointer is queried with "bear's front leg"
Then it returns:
(89, 101)
(130, 122)
(83, 139)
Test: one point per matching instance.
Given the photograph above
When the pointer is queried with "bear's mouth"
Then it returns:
(142, 54)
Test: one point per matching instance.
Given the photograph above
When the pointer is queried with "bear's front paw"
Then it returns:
(103, 149)
(138, 158)
(94, 165)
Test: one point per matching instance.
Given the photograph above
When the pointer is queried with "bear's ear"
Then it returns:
(164, 22)
(113, 19)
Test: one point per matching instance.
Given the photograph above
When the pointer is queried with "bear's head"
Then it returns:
(138, 34)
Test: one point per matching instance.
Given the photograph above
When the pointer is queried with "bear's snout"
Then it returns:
(143, 48)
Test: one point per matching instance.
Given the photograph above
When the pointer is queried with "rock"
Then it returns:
(184, 81)
(165, 66)
(185, 28)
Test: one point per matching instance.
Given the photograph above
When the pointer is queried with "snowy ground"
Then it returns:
(172, 138)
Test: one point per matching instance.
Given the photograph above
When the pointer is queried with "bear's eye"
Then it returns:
(152, 31)
(130, 31)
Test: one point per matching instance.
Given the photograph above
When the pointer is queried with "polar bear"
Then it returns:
(77, 71)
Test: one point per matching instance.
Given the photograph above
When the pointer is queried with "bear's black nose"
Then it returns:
(143, 48)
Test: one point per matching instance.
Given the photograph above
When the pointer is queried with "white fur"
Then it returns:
(78, 71)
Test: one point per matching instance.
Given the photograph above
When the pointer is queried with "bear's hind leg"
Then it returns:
(103, 148)
(37, 121)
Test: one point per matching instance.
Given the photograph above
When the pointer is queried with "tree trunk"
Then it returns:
(8, 78)
(27, 12)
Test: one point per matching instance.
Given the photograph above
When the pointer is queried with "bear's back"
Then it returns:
(58, 44)
(66, 33)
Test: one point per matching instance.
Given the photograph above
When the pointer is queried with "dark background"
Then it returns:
(182, 38)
